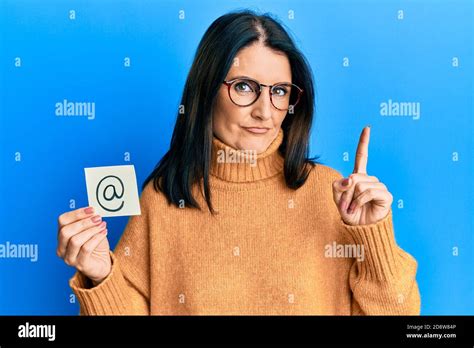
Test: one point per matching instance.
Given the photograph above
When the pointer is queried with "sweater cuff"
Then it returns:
(107, 298)
(380, 250)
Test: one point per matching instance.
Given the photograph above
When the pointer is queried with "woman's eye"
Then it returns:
(243, 87)
(280, 91)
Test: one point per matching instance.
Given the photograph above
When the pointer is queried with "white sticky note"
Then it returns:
(112, 191)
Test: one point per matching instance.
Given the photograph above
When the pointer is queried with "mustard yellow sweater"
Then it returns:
(269, 251)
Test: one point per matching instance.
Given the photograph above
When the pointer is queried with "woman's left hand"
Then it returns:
(365, 200)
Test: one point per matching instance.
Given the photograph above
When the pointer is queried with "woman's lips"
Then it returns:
(256, 130)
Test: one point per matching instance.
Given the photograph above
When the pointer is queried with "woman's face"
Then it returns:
(230, 121)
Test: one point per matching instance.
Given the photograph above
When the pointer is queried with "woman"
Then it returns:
(235, 218)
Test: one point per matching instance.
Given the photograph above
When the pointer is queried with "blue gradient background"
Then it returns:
(82, 60)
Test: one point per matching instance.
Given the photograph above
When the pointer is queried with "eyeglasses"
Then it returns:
(245, 91)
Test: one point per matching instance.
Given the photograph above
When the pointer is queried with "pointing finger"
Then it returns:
(362, 153)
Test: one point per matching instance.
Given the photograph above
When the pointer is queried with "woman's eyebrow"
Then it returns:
(242, 77)
(251, 78)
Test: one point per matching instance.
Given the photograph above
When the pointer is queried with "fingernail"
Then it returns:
(351, 209)
(96, 219)
(89, 210)
(103, 231)
(103, 224)
(345, 182)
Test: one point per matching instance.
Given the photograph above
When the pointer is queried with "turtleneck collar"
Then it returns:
(233, 165)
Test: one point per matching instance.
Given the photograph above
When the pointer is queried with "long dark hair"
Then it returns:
(188, 160)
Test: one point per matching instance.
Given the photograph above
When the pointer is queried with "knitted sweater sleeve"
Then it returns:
(126, 290)
(384, 281)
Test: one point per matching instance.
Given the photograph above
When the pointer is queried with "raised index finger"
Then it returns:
(362, 153)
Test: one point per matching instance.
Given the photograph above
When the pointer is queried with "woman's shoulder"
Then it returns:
(152, 196)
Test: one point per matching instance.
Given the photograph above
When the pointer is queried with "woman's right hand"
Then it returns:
(83, 243)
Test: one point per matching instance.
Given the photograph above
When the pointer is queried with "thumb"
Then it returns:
(339, 187)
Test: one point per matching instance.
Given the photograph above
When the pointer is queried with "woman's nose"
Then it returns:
(263, 107)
